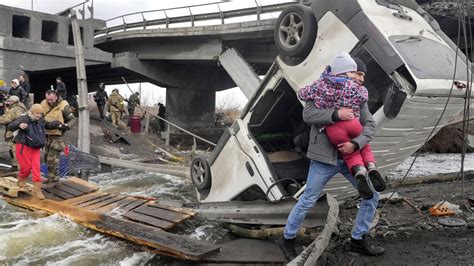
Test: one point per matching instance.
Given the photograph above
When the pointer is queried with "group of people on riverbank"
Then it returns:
(115, 106)
(31, 127)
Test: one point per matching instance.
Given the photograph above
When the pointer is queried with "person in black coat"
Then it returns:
(162, 114)
(100, 97)
(25, 84)
(61, 88)
(17, 90)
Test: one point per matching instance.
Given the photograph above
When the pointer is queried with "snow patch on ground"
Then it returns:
(431, 164)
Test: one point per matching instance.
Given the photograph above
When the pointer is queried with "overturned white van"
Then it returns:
(416, 81)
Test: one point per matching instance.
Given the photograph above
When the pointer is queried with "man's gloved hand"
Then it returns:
(55, 124)
(63, 127)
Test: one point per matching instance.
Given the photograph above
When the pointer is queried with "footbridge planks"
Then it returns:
(139, 220)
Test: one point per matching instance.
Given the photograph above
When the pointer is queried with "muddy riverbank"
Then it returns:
(408, 237)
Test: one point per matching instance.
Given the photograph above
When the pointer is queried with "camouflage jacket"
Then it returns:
(133, 101)
(11, 114)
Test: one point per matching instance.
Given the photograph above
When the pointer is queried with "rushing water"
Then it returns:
(29, 238)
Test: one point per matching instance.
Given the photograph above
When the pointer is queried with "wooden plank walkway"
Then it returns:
(139, 220)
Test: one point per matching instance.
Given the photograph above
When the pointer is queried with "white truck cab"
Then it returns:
(415, 78)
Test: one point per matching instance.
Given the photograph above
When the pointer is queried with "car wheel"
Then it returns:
(295, 32)
(200, 173)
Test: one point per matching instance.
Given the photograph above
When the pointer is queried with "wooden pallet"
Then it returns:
(9, 187)
(136, 219)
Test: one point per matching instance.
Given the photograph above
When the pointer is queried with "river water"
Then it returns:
(28, 238)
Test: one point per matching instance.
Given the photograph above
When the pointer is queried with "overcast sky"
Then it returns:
(106, 9)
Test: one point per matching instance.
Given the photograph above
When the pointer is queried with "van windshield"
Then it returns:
(428, 59)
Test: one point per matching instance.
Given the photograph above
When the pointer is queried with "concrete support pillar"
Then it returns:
(88, 36)
(5, 23)
(190, 107)
(35, 29)
(63, 32)
(240, 71)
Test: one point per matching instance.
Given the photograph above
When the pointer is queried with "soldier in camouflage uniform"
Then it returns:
(3, 96)
(133, 102)
(58, 112)
(15, 109)
(116, 108)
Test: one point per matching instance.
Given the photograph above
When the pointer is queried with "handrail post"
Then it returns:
(144, 21)
(221, 14)
(167, 19)
(191, 16)
(259, 10)
(194, 147)
(124, 24)
(167, 135)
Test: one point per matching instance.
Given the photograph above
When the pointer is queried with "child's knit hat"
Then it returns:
(342, 63)
(36, 108)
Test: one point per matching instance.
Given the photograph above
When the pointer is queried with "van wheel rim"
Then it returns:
(291, 30)
(199, 171)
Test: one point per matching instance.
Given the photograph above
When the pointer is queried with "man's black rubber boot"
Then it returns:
(364, 246)
(362, 185)
(287, 246)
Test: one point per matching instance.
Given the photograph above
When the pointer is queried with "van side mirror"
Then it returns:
(393, 101)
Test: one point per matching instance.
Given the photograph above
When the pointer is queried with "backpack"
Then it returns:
(35, 136)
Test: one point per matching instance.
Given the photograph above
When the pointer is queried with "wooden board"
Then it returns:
(156, 222)
(133, 204)
(69, 190)
(84, 198)
(114, 205)
(246, 251)
(160, 241)
(94, 201)
(160, 213)
(83, 184)
(187, 211)
(115, 198)
(77, 186)
(57, 192)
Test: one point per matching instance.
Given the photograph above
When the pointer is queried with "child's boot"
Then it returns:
(360, 173)
(376, 178)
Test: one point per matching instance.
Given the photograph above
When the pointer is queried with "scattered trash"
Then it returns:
(124, 150)
(470, 222)
(450, 221)
(470, 203)
(444, 209)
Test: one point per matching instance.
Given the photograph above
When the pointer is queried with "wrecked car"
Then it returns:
(416, 80)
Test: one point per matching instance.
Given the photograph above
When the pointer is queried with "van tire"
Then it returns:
(200, 173)
(299, 21)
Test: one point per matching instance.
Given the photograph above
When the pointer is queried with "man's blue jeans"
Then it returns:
(319, 174)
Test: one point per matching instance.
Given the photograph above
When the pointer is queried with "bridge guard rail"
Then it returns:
(258, 10)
